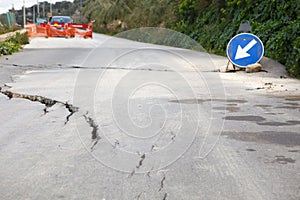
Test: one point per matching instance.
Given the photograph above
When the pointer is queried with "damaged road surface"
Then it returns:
(110, 118)
(43, 100)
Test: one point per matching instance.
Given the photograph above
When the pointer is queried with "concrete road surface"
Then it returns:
(109, 118)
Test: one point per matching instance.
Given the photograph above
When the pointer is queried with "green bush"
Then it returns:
(212, 23)
(22, 38)
(276, 22)
(5, 29)
(13, 44)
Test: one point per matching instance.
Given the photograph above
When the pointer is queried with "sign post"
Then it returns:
(245, 49)
(24, 14)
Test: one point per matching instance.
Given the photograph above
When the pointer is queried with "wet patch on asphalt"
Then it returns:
(287, 123)
(261, 120)
(268, 137)
(229, 105)
(288, 107)
(229, 108)
(263, 106)
(250, 150)
(232, 104)
(273, 113)
(292, 103)
(248, 118)
(293, 98)
(294, 150)
(200, 101)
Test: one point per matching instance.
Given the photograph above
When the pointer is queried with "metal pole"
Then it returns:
(80, 11)
(44, 9)
(24, 14)
(33, 14)
(51, 8)
(8, 20)
(38, 9)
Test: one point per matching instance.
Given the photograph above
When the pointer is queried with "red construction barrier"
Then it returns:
(60, 30)
(35, 31)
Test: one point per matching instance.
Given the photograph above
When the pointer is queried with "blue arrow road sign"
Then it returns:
(245, 49)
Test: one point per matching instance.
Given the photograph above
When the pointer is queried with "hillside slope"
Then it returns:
(210, 22)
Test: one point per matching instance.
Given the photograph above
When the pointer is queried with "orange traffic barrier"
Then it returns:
(35, 31)
(64, 30)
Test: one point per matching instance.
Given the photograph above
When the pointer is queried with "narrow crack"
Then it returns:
(116, 144)
(121, 68)
(46, 110)
(132, 173)
(139, 196)
(154, 148)
(95, 135)
(173, 136)
(43, 100)
(136, 69)
(165, 196)
(72, 109)
(63, 66)
(141, 161)
(162, 183)
(148, 174)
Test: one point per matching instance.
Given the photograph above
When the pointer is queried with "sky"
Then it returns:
(7, 4)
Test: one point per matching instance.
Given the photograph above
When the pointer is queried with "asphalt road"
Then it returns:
(110, 118)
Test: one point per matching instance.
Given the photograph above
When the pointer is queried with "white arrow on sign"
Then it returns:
(242, 52)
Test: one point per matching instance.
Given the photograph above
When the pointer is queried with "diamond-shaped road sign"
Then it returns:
(245, 49)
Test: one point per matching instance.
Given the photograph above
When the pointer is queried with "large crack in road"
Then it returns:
(51, 102)
(64, 66)
(94, 126)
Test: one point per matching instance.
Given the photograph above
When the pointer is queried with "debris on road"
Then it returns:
(257, 67)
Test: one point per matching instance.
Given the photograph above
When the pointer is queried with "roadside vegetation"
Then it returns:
(114, 16)
(4, 29)
(275, 22)
(13, 44)
(212, 23)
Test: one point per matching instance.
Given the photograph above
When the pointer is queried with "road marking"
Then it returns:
(242, 52)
